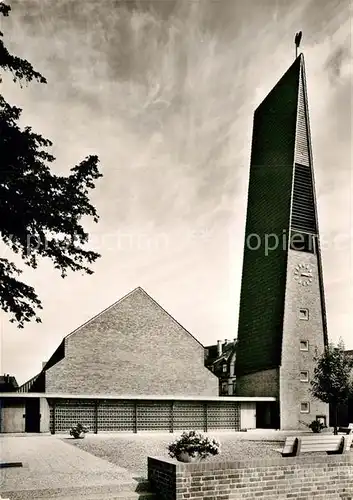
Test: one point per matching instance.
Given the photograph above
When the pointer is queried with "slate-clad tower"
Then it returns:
(282, 321)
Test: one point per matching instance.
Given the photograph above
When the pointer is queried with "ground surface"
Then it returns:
(131, 450)
(51, 464)
(106, 463)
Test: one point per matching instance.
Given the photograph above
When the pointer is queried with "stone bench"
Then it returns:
(328, 443)
(346, 430)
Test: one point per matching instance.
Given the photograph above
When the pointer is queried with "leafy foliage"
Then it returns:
(41, 211)
(332, 381)
(316, 426)
(332, 375)
(193, 443)
(78, 431)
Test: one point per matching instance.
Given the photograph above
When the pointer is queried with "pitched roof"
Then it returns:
(228, 351)
(135, 291)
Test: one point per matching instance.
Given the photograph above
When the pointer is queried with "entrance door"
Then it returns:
(32, 415)
(248, 415)
(266, 415)
(13, 414)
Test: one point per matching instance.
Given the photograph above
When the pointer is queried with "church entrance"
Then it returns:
(32, 415)
(267, 415)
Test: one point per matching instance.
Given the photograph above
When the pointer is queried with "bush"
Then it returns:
(316, 426)
(194, 443)
(78, 431)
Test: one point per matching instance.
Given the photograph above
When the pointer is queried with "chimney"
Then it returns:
(219, 347)
(225, 341)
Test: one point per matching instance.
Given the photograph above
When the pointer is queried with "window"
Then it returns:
(304, 408)
(304, 314)
(304, 376)
(225, 388)
(304, 345)
(224, 368)
(322, 419)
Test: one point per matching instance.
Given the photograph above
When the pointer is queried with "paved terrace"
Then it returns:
(55, 466)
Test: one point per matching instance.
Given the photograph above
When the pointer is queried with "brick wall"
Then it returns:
(268, 215)
(292, 390)
(135, 348)
(262, 383)
(303, 478)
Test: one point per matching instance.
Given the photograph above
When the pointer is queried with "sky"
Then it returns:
(164, 93)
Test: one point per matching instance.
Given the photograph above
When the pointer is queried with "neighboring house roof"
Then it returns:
(27, 386)
(8, 383)
(228, 351)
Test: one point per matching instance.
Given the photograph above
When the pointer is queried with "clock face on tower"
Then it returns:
(303, 273)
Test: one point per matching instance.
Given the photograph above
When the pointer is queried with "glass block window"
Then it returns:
(189, 416)
(222, 415)
(143, 415)
(69, 413)
(154, 416)
(116, 416)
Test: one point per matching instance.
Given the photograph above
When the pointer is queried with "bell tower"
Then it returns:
(282, 316)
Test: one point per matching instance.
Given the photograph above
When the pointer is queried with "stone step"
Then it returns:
(123, 489)
(121, 495)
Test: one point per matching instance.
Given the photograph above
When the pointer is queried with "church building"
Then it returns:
(130, 368)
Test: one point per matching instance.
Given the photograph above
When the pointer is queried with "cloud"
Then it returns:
(163, 96)
(339, 62)
(164, 92)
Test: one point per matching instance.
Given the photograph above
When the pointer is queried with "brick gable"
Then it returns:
(133, 347)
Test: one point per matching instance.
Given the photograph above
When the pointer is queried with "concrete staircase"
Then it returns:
(125, 490)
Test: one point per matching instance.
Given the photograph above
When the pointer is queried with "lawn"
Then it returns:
(131, 451)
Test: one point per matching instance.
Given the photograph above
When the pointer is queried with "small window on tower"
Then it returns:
(304, 345)
(304, 408)
(304, 376)
(304, 314)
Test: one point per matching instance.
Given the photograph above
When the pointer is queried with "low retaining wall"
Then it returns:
(304, 477)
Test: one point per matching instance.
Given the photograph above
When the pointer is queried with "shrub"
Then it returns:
(78, 431)
(316, 426)
(194, 443)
